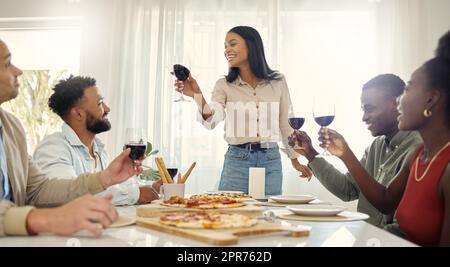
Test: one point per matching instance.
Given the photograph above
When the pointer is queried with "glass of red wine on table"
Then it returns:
(323, 113)
(172, 172)
(171, 163)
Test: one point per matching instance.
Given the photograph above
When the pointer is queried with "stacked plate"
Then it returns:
(305, 209)
(293, 199)
(316, 210)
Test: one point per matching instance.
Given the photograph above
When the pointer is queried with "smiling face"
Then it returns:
(380, 111)
(96, 111)
(413, 101)
(236, 50)
(9, 84)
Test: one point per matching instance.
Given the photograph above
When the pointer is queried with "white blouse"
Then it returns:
(252, 114)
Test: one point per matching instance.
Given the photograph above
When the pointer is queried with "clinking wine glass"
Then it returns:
(182, 74)
(136, 141)
(296, 123)
(324, 113)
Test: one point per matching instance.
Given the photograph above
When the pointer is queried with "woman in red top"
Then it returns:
(421, 190)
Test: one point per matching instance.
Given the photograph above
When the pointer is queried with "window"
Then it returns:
(47, 51)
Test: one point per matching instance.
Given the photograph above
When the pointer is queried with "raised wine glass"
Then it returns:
(135, 139)
(182, 74)
(323, 113)
(296, 123)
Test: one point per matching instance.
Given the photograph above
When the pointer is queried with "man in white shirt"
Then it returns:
(76, 149)
(66, 206)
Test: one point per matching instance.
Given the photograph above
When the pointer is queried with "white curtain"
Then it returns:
(329, 45)
(151, 36)
(334, 46)
(407, 32)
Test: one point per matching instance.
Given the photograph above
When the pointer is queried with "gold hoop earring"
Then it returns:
(427, 113)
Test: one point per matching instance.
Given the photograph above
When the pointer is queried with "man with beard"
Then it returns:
(65, 206)
(383, 159)
(76, 149)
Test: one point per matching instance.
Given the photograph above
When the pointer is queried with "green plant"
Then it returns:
(150, 174)
(30, 106)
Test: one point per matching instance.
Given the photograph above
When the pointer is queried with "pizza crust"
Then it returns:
(231, 205)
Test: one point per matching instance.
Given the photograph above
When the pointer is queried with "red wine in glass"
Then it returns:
(324, 113)
(182, 74)
(137, 150)
(172, 172)
(324, 121)
(135, 140)
(296, 122)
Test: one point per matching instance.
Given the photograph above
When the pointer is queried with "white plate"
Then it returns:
(316, 210)
(293, 199)
(123, 221)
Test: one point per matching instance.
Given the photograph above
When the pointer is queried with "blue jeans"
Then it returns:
(236, 168)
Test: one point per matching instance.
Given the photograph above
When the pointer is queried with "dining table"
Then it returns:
(322, 234)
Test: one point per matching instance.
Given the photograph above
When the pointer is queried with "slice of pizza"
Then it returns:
(203, 202)
(240, 196)
(175, 201)
(204, 220)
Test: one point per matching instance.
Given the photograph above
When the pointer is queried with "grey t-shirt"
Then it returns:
(381, 160)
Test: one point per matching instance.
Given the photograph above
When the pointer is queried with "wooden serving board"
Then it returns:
(155, 209)
(222, 237)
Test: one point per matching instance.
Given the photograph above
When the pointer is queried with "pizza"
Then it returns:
(203, 202)
(204, 220)
(229, 194)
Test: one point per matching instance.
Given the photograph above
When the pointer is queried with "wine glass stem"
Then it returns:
(325, 150)
(135, 165)
(182, 96)
(296, 142)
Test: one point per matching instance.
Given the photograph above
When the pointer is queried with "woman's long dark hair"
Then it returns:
(256, 56)
(438, 69)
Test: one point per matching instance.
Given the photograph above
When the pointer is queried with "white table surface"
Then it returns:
(323, 234)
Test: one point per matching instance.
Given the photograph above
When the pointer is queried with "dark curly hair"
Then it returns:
(67, 93)
(437, 69)
(443, 49)
(256, 56)
(389, 83)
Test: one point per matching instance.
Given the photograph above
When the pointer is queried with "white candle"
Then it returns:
(257, 183)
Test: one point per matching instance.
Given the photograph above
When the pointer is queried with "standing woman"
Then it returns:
(250, 95)
(420, 193)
